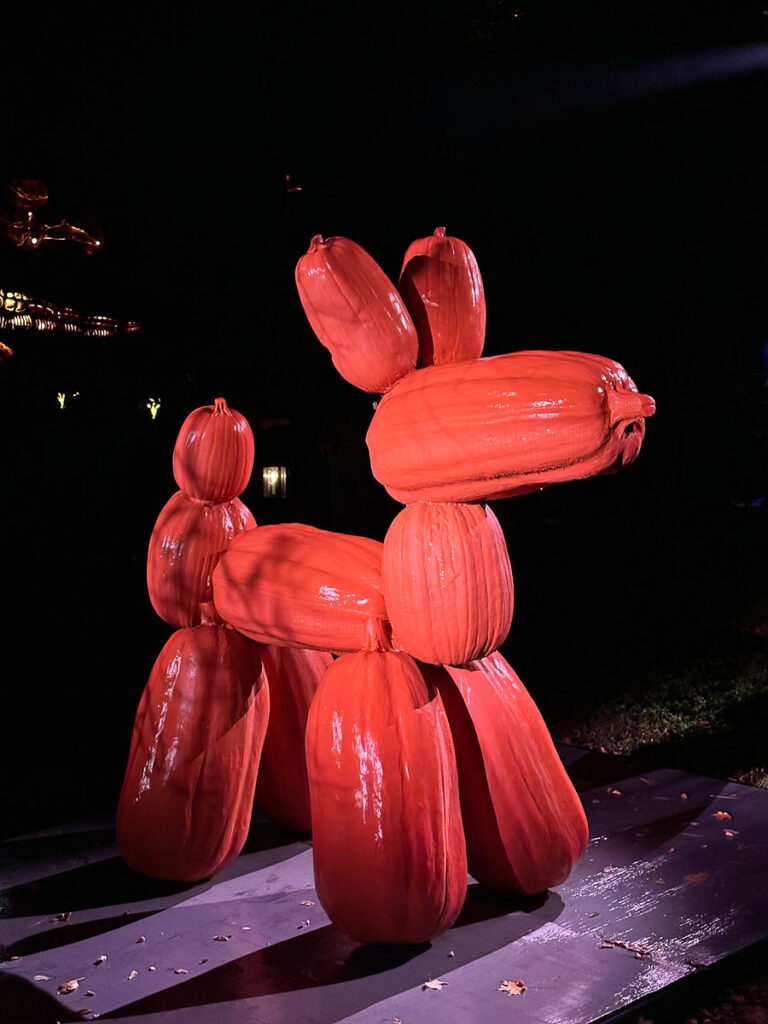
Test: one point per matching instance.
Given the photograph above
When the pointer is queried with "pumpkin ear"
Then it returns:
(356, 313)
(441, 285)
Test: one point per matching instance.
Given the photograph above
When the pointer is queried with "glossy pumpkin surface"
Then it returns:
(187, 796)
(447, 582)
(505, 425)
(441, 285)
(356, 313)
(188, 539)
(282, 790)
(213, 454)
(524, 823)
(297, 586)
(390, 860)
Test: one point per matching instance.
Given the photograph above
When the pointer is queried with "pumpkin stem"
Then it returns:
(220, 407)
(440, 232)
(629, 405)
(316, 242)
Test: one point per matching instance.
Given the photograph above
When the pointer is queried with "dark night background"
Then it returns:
(604, 161)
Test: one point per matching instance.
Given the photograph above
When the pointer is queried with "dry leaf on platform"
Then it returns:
(512, 988)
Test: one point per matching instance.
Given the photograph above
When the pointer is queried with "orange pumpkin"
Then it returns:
(389, 854)
(505, 425)
(447, 582)
(186, 543)
(357, 313)
(213, 455)
(441, 285)
(282, 790)
(524, 823)
(297, 586)
(186, 800)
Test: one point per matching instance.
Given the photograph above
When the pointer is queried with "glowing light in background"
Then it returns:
(274, 481)
(606, 85)
(153, 404)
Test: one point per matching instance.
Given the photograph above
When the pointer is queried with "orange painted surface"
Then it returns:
(505, 425)
(282, 789)
(441, 285)
(356, 313)
(213, 454)
(389, 854)
(447, 582)
(297, 586)
(524, 823)
(186, 801)
(188, 539)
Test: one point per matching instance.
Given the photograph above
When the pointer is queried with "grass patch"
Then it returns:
(705, 715)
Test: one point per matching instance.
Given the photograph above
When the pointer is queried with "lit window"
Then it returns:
(274, 481)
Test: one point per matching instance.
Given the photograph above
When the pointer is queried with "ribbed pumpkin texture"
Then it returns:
(441, 285)
(282, 790)
(447, 582)
(187, 796)
(389, 854)
(524, 823)
(213, 454)
(188, 539)
(297, 586)
(505, 425)
(356, 313)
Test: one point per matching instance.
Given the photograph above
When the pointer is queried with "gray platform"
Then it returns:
(669, 884)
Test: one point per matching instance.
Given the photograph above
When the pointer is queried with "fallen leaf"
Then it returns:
(395, 1020)
(141, 938)
(615, 792)
(304, 924)
(730, 832)
(99, 960)
(41, 977)
(451, 953)
(90, 992)
(203, 961)
(151, 968)
(434, 984)
(722, 815)
(132, 975)
(683, 796)
(245, 928)
(221, 938)
(14, 958)
(307, 903)
(512, 988)
(181, 970)
(697, 877)
(595, 913)
(69, 986)
(65, 916)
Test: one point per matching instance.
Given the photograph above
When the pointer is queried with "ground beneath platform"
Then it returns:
(673, 881)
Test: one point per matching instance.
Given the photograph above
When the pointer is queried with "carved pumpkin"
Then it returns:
(186, 801)
(282, 790)
(441, 285)
(524, 823)
(186, 543)
(390, 861)
(447, 582)
(297, 586)
(357, 313)
(213, 455)
(506, 425)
